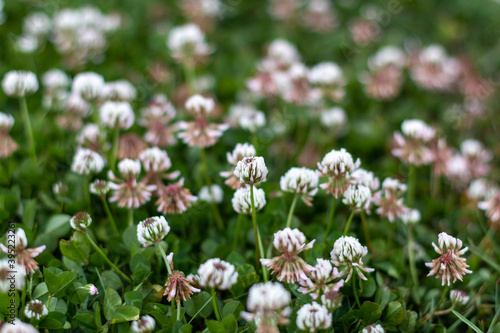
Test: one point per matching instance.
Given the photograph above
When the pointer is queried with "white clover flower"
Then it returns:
(99, 187)
(358, 197)
(211, 194)
(120, 90)
(55, 79)
(480, 189)
(291, 240)
(87, 162)
(327, 74)
(197, 104)
(459, 297)
(129, 169)
(77, 104)
(433, 53)
(251, 170)
(268, 296)
(90, 134)
(187, 41)
(6, 121)
(283, 52)
(216, 273)
(313, 317)
(155, 159)
(35, 310)
(338, 162)
(300, 181)
(389, 55)
(242, 203)
(152, 230)
(239, 152)
(366, 178)
(19, 83)
(80, 221)
(410, 216)
(373, 328)
(27, 44)
(18, 326)
(88, 85)
(117, 115)
(348, 251)
(417, 129)
(37, 24)
(93, 290)
(334, 118)
(146, 324)
(252, 121)
(11, 276)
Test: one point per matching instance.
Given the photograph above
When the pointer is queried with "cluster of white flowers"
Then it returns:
(87, 162)
(313, 317)
(338, 162)
(19, 83)
(417, 129)
(216, 273)
(410, 216)
(239, 152)
(152, 230)
(121, 90)
(326, 74)
(187, 42)
(80, 221)
(348, 252)
(35, 309)
(389, 55)
(199, 105)
(129, 169)
(335, 119)
(300, 181)
(88, 85)
(211, 194)
(251, 170)
(146, 324)
(36, 28)
(459, 297)
(269, 296)
(116, 115)
(290, 241)
(358, 197)
(155, 159)
(242, 203)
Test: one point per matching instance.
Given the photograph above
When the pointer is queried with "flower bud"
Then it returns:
(152, 230)
(81, 221)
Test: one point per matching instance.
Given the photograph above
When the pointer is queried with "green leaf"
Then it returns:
(40, 290)
(394, 314)
(230, 324)
(383, 296)
(58, 225)
(111, 302)
(29, 214)
(86, 319)
(125, 313)
(134, 298)
(111, 279)
(233, 307)
(51, 280)
(51, 323)
(65, 280)
(467, 321)
(370, 312)
(236, 259)
(408, 324)
(195, 303)
(138, 262)
(76, 249)
(215, 327)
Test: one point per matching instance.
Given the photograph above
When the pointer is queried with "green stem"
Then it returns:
(114, 149)
(411, 257)
(204, 163)
(130, 216)
(190, 77)
(330, 219)
(116, 269)
(110, 217)
(215, 305)
(27, 127)
(164, 256)
(259, 248)
(218, 218)
(354, 290)
(429, 316)
(86, 191)
(365, 230)
(412, 182)
(178, 311)
(290, 213)
(237, 231)
(348, 224)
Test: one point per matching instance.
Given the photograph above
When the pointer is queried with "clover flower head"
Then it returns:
(81, 221)
(358, 197)
(211, 194)
(410, 216)
(152, 230)
(373, 328)
(301, 181)
(87, 162)
(24, 255)
(155, 160)
(174, 198)
(146, 324)
(88, 85)
(364, 177)
(178, 286)
(116, 115)
(35, 310)
(242, 203)
(313, 317)
(251, 170)
(120, 90)
(348, 253)
(99, 187)
(338, 166)
(459, 297)
(216, 273)
(19, 83)
(200, 105)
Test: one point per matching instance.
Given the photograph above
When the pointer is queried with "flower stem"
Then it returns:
(411, 256)
(365, 230)
(429, 316)
(178, 311)
(110, 217)
(218, 218)
(27, 127)
(290, 213)
(215, 305)
(164, 256)
(130, 216)
(114, 149)
(259, 248)
(237, 231)
(354, 290)
(116, 269)
(348, 224)
(330, 219)
(87, 192)
(412, 182)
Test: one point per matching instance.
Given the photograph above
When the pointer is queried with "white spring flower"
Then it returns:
(433, 53)
(117, 115)
(35, 310)
(291, 240)
(417, 129)
(6, 121)
(242, 201)
(152, 230)
(90, 133)
(348, 252)
(87, 162)
(251, 170)
(27, 44)
(459, 297)
(239, 152)
(120, 90)
(146, 324)
(37, 24)
(252, 121)
(326, 74)
(80, 221)
(334, 118)
(55, 79)
(99, 187)
(268, 296)
(18, 326)
(211, 194)
(358, 197)
(480, 189)
(410, 216)
(155, 159)
(88, 85)
(338, 162)
(19, 83)
(389, 55)
(301, 181)
(197, 104)
(11, 276)
(129, 169)
(283, 52)
(216, 273)
(366, 178)
(77, 104)
(373, 328)
(187, 41)
(313, 317)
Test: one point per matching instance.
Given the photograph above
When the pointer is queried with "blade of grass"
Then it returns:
(486, 259)
(200, 310)
(467, 321)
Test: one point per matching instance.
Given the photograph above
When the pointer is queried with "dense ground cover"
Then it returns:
(232, 166)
